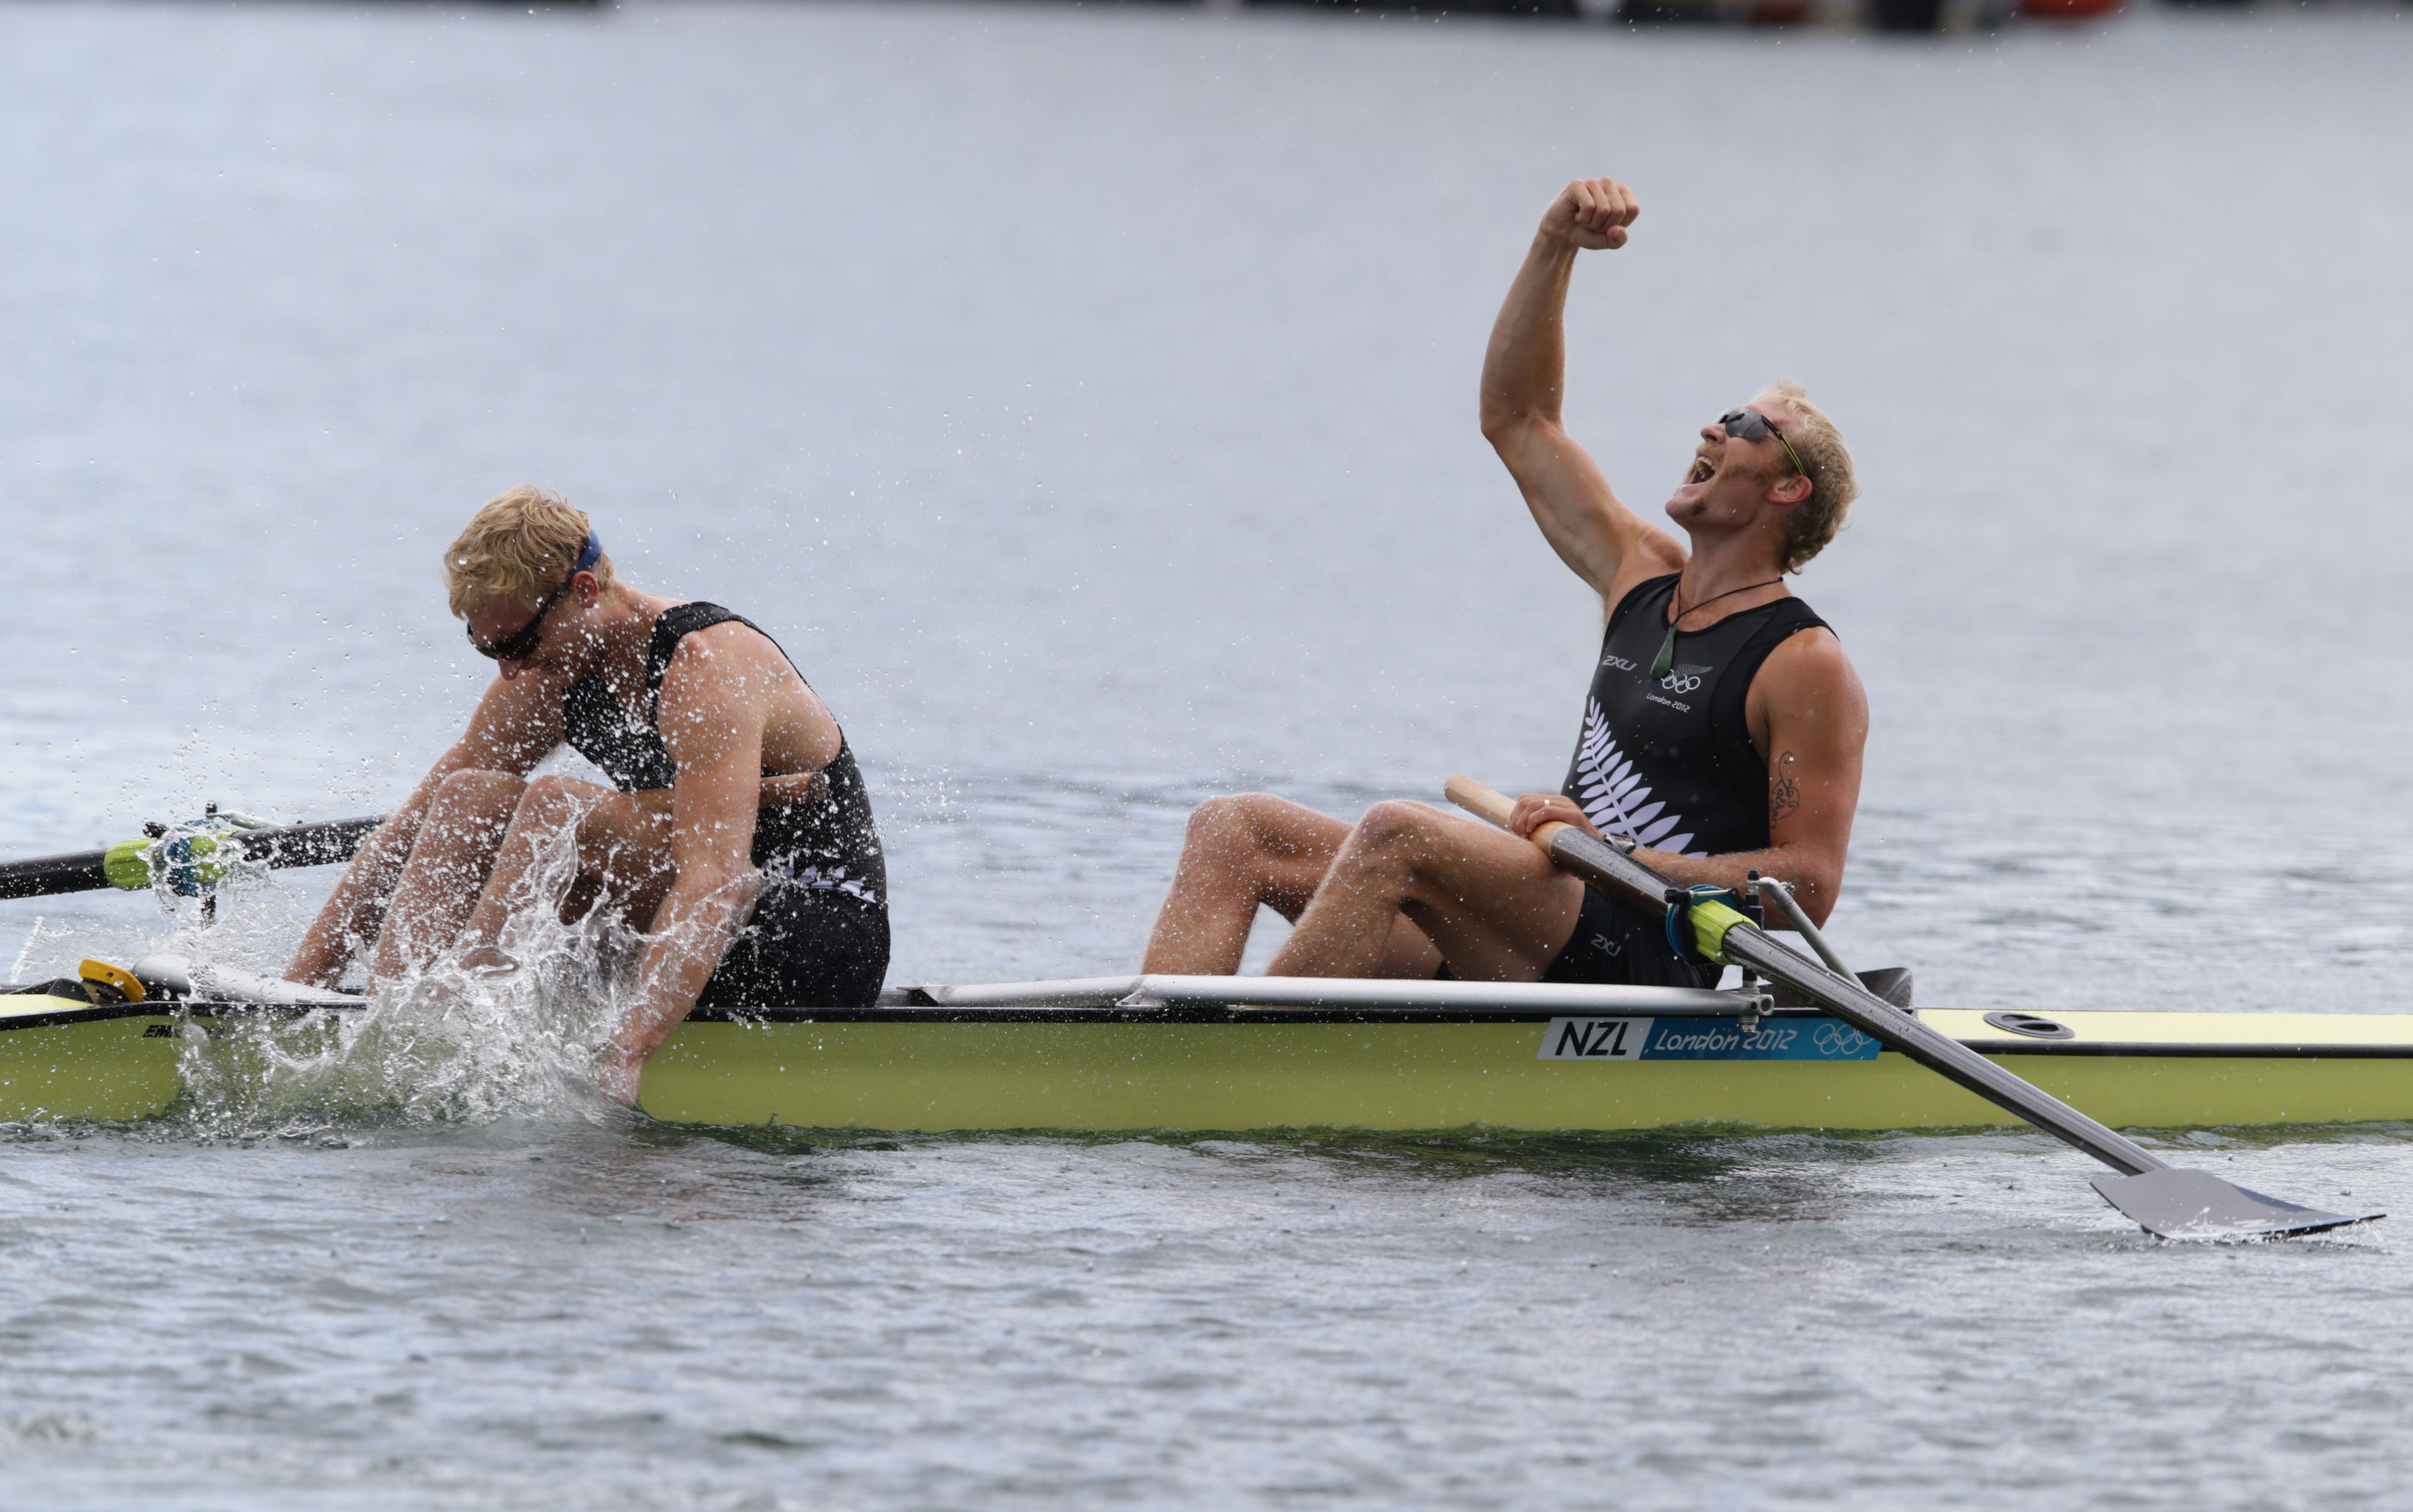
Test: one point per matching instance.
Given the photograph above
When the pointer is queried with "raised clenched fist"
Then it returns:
(1591, 214)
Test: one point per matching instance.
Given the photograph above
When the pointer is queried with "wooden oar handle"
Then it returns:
(1481, 801)
(1490, 804)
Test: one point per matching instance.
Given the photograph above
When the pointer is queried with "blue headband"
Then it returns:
(592, 553)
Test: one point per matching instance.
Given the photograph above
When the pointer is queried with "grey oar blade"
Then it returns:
(2178, 1203)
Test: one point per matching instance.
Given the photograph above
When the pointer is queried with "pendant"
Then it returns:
(1665, 662)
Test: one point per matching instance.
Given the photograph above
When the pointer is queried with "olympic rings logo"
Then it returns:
(1836, 1039)
(1675, 683)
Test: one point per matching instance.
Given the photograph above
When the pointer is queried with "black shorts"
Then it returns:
(1615, 942)
(805, 948)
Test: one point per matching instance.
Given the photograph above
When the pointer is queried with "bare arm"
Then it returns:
(1808, 712)
(516, 723)
(1524, 379)
(712, 711)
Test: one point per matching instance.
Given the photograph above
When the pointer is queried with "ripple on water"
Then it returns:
(1083, 395)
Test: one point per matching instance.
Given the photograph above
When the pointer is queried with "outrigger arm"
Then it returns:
(2171, 1202)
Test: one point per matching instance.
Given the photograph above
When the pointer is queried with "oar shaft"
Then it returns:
(307, 845)
(1896, 1030)
(295, 844)
(1630, 882)
(45, 874)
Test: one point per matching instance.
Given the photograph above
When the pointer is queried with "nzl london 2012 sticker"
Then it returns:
(1803, 1038)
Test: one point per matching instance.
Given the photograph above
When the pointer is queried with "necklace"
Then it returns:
(1661, 664)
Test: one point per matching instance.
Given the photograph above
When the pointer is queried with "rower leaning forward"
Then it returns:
(1723, 734)
(737, 833)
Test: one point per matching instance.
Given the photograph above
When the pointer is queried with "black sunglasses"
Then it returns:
(1751, 425)
(516, 646)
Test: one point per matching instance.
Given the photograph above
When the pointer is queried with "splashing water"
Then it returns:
(33, 937)
(449, 1042)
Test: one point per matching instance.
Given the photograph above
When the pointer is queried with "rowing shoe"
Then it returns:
(2171, 1202)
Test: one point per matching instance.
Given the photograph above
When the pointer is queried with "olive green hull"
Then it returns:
(940, 1072)
(99, 1068)
(953, 1076)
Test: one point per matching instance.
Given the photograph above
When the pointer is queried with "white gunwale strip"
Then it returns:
(1337, 993)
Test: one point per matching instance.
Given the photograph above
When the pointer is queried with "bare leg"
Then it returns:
(1496, 907)
(355, 911)
(624, 857)
(1250, 852)
(624, 848)
(550, 805)
(624, 845)
(450, 858)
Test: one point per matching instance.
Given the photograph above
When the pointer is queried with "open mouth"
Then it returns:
(1705, 467)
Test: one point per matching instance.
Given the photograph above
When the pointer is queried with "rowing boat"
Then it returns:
(1230, 1053)
(1240, 1054)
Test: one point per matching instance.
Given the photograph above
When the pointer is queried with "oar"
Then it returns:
(2170, 1201)
(292, 845)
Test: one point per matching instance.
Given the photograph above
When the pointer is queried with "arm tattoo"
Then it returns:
(1784, 793)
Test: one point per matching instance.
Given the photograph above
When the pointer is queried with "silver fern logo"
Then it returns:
(1613, 794)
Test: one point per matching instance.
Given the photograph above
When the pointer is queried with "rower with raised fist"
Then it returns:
(1722, 733)
(737, 834)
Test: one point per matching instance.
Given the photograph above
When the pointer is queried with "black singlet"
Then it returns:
(818, 936)
(1668, 764)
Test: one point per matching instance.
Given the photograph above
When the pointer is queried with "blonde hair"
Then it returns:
(1827, 464)
(521, 543)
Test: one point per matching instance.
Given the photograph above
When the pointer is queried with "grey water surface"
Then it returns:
(1085, 396)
